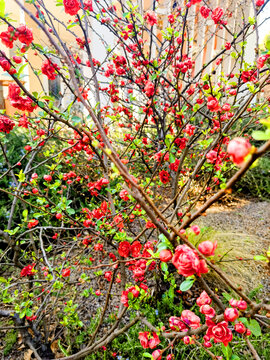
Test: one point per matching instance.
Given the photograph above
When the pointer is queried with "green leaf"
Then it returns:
(171, 158)
(260, 258)
(21, 176)
(28, 312)
(21, 68)
(24, 214)
(148, 355)
(254, 327)
(187, 284)
(261, 135)
(2, 8)
(235, 357)
(164, 266)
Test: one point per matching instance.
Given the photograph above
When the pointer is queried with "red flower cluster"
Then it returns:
(249, 75)
(48, 68)
(130, 293)
(71, 6)
(28, 270)
(24, 34)
(147, 341)
(19, 102)
(217, 14)
(6, 125)
(212, 104)
(205, 11)
(187, 262)
(149, 88)
(151, 18)
(32, 223)
(164, 176)
(125, 249)
(88, 5)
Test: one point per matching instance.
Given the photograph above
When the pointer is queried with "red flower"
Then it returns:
(220, 333)
(205, 11)
(88, 5)
(208, 311)
(24, 34)
(71, 6)
(231, 314)
(177, 324)
(149, 88)
(259, 2)
(108, 275)
(249, 75)
(6, 125)
(164, 176)
(28, 270)
(146, 342)
(189, 318)
(203, 299)
(156, 355)
(5, 64)
(165, 255)
(240, 328)
(212, 104)
(124, 249)
(151, 18)
(262, 60)
(49, 69)
(238, 149)
(187, 261)
(207, 247)
(7, 37)
(143, 337)
(124, 195)
(135, 248)
(217, 14)
(66, 272)
(32, 223)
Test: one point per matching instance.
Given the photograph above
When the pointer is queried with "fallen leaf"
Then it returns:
(27, 355)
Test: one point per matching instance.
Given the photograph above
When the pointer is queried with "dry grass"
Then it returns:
(233, 246)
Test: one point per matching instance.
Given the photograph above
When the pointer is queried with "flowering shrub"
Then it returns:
(101, 222)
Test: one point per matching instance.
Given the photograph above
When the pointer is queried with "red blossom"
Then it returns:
(28, 270)
(164, 176)
(220, 332)
(207, 247)
(48, 68)
(151, 18)
(217, 14)
(124, 249)
(24, 34)
(6, 124)
(187, 261)
(71, 6)
(135, 248)
(149, 88)
(238, 149)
